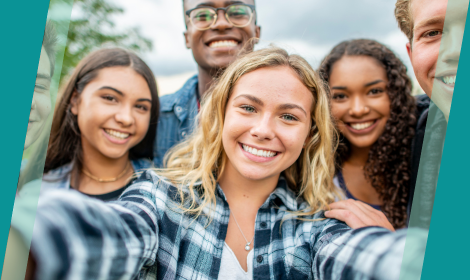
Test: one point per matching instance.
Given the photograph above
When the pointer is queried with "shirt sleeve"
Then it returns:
(365, 253)
(76, 237)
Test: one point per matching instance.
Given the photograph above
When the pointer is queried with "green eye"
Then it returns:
(249, 109)
(289, 117)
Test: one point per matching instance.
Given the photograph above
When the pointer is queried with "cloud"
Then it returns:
(307, 27)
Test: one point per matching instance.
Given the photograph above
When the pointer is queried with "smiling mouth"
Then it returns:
(223, 44)
(362, 125)
(448, 80)
(116, 134)
(259, 153)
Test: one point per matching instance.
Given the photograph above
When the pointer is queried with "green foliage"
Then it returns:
(92, 26)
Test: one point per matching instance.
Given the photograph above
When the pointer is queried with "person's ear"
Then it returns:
(186, 39)
(74, 102)
(257, 32)
(408, 50)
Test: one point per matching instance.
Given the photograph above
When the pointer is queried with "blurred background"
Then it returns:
(154, 29)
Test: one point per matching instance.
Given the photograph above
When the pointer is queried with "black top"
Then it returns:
(111, 196)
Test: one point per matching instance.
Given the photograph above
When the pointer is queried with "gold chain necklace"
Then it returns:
(107, 180)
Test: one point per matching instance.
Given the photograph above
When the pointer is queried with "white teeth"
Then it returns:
(260, 153)
(449, 80)
(222, 44)
(361, 126)
(117, 134)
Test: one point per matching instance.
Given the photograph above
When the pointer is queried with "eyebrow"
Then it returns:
(211, 4)
(429, 21)
(120, 93)
(374, 82)
(342, 88)
(291, 106)
(113, 89)
(43, 76)
(282, 107)
(252, 98)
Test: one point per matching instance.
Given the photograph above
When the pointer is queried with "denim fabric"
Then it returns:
(178, 113)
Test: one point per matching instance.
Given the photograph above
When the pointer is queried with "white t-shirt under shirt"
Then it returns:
(230, 268)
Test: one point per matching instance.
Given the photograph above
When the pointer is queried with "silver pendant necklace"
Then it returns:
(247, 245)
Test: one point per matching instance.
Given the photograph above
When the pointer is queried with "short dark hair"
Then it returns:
(49, 43)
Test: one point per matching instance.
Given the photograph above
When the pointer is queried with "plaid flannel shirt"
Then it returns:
(145, 236)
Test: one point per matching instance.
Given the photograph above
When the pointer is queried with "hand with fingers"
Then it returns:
(357, 214)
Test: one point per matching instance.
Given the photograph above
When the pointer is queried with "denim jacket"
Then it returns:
(178, 113)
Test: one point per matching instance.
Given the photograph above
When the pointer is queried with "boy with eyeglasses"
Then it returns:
(217, 30)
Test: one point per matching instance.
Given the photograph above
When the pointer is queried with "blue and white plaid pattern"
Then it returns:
(146, 236)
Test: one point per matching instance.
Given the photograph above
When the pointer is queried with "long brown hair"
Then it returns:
(65, 142)
(388, 165)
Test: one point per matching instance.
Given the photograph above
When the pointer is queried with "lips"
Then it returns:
(362, 127)
(259, 152)
(117, 134)
(222, 42)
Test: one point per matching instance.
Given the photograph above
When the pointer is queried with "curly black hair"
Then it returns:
(388, 164)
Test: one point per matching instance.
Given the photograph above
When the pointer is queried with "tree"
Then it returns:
(93, 27)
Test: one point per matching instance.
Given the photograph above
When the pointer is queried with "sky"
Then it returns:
(310, 28)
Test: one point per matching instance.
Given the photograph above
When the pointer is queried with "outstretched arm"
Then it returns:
(365, 253)
(76, 237)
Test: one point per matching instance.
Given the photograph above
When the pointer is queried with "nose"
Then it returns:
(33, 104)
(221, 23)
(450, 46)
(263, 129)
(124, 116)
(358, 107)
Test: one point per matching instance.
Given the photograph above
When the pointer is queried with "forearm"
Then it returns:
(81, 238)
(366, 253)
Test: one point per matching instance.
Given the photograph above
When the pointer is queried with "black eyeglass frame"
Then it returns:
(216, 13)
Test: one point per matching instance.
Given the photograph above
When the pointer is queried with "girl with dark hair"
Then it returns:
(375, 113)
(104, 126)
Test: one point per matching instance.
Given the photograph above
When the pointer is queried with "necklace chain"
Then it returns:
(107, 180)
(247, 245)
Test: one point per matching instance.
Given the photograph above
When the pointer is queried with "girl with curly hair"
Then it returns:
(375, 114)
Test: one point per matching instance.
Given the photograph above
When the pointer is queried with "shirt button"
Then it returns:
(259, 259)
(183, 133)
(263, 225)
(179, 109)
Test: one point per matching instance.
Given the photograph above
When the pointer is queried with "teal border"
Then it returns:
(448, 247)
(23, 28)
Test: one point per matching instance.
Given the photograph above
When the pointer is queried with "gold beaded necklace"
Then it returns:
(107, 180)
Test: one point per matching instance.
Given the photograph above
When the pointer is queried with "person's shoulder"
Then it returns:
(168, 101)
(58, 178)
(141, 164)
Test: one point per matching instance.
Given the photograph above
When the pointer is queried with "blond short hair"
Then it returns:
(404, 17)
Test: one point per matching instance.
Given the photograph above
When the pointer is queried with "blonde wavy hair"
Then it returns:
(202, 159)
(404, 17)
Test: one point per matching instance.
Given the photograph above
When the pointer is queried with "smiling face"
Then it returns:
(360, 101)
(218, 46)
(41, 104)
(435, 49)
(267, 122)
(113, 112)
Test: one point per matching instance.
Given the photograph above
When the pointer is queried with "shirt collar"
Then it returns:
(182, 96)
(282, 195)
